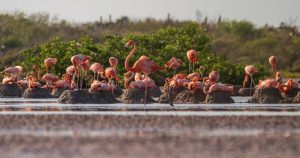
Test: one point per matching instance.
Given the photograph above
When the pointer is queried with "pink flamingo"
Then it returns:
(102, 86)
(137, 84)
(96, 68)
(174, 64)
(8, 80)
(192, 57)
(143, 64)
(250, 70)
(70, 70)
(111, 73)
(195, 85)
(271, 83)
(49, 79)
(79, 61)
(49, 62)
(113, 62)
(65, 82)
(273, 61)
(13, 71)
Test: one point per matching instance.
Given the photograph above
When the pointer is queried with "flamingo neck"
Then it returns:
(128, 68)
(127, 79)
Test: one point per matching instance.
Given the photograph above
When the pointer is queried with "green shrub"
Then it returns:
(160, 46)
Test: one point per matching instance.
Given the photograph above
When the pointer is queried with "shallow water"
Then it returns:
(50, 106)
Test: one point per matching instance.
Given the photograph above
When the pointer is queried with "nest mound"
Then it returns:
(10, 90)
(219, 97)
(266, 96)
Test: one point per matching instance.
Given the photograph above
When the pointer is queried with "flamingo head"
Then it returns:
(130, 43)
(113, 61)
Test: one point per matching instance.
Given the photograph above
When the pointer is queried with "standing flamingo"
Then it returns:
(143, 64)
(192, 57)
(96, 68)
(49, 62)
(79, 61)
(250, 70)
(273, 61)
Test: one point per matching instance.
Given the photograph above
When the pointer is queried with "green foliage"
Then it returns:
(160, 47)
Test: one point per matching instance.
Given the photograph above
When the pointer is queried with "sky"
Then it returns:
(260, 12)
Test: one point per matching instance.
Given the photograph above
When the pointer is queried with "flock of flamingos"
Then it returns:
(137, 75)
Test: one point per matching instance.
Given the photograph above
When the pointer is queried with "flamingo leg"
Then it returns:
(189, 67)
(193, 66)
(146, 89)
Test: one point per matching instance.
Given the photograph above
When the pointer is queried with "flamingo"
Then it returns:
(271, 83)
(13, 71)
(96, 68)
(250, 70)
(111, 73)
(113, 62)
(192, 57)
(49, 62)
(143, 64)
(102, 86)
(273, 62)
(195, 85)
(174, 64)
(65, 82)
(79, 61)
(7, 80)
(134, 84)
(289, 85)
(49, 79)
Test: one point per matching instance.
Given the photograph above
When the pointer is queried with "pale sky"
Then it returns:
(258, 11)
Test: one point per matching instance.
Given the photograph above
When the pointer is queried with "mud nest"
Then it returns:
(266, 96)
(164, 98)
(87, 97)
(58, 91)
(219, 98)
(289, 96)
(246, 92)
(297, 97)
(10, 90)
(136, 96)
(186, 96)
(37, 93)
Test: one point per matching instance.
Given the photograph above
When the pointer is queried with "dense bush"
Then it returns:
(160, 46)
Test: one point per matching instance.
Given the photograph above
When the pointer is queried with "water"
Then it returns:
(50, 106)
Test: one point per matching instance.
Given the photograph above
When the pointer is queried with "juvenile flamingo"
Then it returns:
(273, 61)
(142, 65)
(192, 57)
(49, 62)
